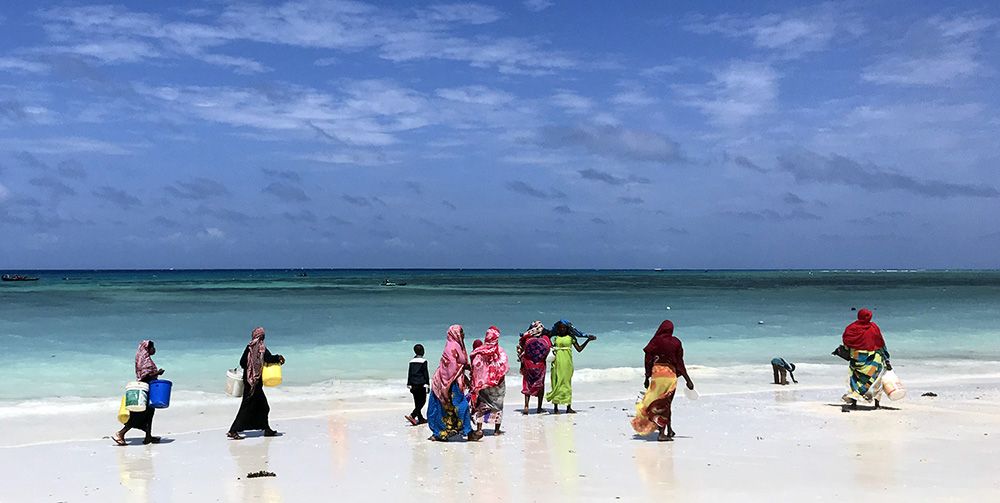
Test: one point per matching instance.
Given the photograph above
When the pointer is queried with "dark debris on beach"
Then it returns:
(261, 473)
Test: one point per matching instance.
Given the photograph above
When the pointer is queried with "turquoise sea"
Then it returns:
(73, 334)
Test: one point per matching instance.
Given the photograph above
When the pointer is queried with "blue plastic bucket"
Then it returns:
(159, 393)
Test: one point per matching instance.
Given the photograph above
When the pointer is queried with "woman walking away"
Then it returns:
(564, 340)
(664, 363)
(489, 368)
(145, 371)
(869, 358)
(448, 409)
(254, 408)
(532, 349)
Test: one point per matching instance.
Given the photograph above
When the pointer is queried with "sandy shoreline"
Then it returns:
(788, 442)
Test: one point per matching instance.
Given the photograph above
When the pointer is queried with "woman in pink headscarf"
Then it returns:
(448, 407)
(145, 371)
(489, 368)
(254, 407)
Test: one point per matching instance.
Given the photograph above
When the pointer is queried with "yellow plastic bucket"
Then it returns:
(271, 374)
(123, 412)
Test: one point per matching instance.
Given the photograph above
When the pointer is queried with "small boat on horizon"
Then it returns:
(17, 277)
(386, 282)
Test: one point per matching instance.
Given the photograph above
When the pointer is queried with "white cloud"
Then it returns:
(739, 92)
(463, 13)
(633, 95)
(397, 35)
(65, 144)
(22, 65)
(952, 64)
(4, 193)
(572, 102)
(364, 113)
(793, 33)
(212, 234)
(937, 52)
(537, 5)
(478, 95)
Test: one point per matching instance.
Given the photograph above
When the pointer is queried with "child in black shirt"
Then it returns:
(418, 380)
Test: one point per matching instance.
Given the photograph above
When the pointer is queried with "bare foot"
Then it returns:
(411, 420)
(118, 438)
(524, 412)
(569, 410)
(151, 440)
(538, 410)
(234, 436)
(663, 438)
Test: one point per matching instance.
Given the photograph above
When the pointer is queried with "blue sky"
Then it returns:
(520, 134)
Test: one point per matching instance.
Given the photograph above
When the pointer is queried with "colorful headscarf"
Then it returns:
(489, 363)
(454, 358)
(863, 334)
(255, 358)
(144, 366)
(536, 329)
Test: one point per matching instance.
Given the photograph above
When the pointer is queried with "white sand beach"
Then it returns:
(765, 442)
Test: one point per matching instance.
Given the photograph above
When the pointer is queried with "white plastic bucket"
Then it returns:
(691, 394)
(136, 396)
(892, 386)
(234, 382)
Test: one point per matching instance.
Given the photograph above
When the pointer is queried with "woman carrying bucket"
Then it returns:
(254, 408)
(868, 359)
(145, 371)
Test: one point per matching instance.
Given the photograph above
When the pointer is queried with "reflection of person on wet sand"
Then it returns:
(664, 363)
(780, 368)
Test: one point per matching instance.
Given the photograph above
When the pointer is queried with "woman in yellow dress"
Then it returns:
(564, 339)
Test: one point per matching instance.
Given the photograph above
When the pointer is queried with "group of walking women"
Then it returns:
(469, 388)
(254, 409)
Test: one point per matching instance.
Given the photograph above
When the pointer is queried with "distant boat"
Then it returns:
(17, 277)
(386, 282)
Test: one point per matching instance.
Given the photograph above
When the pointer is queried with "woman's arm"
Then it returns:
(579, 347)
(269, 358)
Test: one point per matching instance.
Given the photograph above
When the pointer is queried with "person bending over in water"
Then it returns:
(781, 368)
(664, 364)
(145, 371)
(564, 339)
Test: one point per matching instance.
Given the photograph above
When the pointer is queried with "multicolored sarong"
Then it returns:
(653, 411)
(866, 367)
(536, 349)
(489, 404)
(448, 419)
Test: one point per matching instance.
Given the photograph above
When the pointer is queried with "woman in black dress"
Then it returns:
(254, 408)
(145, 371)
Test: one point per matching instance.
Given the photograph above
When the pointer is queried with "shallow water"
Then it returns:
(73, 334)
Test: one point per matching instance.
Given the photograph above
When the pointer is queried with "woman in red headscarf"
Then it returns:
(145, 371)
(489, 369)
(254, 407)
(664, 364)
(869, 358)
